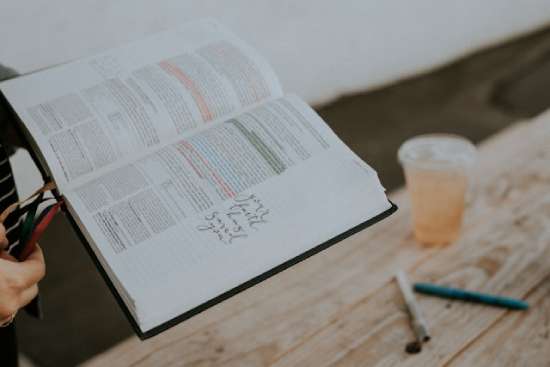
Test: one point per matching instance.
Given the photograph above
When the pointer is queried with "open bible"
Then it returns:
(187, 172)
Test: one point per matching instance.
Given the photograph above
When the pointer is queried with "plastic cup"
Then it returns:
(438, 177)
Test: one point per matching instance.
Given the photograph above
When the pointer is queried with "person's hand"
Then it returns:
(18, 280)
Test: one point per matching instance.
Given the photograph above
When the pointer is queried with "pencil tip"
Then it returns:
(414, 347)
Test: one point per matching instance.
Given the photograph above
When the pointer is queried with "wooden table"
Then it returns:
(342, 307)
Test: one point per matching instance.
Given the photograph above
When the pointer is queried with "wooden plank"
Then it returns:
(518, 339)
(374, 332)
(268, 322)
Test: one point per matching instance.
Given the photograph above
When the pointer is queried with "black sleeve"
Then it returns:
(8, 349)
(8, 134)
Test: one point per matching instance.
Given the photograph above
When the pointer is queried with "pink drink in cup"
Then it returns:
(438, 174)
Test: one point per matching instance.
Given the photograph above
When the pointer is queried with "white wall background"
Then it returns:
(320, 48)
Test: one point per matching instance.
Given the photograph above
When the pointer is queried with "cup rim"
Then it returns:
(465, 160)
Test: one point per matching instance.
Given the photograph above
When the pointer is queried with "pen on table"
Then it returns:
(465, 295)
(418, 323)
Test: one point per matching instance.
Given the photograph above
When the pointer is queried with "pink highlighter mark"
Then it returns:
(190, 85)
(222, 184)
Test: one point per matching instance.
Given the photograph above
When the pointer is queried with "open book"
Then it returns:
(187, 171)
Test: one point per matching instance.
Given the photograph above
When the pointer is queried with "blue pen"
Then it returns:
(464, 295)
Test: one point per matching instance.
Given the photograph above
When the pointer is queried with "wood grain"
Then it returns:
(341, 307)
(377, 329)
(517, 339)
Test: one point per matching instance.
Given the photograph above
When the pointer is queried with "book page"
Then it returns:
(88, 114)
(204, 214)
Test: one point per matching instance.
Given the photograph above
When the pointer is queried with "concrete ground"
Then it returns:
(474, 97)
